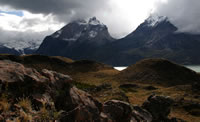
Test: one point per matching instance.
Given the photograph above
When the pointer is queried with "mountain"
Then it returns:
(78, 40)
(19, 46)
(156, 37)
(6, 50)
(159, 71)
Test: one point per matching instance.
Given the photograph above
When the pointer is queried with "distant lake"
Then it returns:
(120, 68)
(192, 67)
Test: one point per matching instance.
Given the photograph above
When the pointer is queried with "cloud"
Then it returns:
(21, 40)
(64, 9)
(121, 16)
(33, 22)
(22, 32)
(182, 13)
(125, 15)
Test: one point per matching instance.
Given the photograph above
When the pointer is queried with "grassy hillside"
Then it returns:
(83, 70)
(134, 85)
(159, 71)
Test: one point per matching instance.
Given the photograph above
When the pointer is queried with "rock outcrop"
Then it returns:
(49, 89)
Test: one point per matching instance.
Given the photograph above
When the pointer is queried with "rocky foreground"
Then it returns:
(29, 95)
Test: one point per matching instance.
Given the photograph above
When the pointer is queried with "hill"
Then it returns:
(159, 71)
(79, 70)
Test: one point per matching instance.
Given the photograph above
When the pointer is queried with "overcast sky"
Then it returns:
(42, 17)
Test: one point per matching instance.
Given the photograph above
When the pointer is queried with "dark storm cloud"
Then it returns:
(64, 9)
(185, 14)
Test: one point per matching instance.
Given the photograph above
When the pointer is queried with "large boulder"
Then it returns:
(158, 106)
(117, 110)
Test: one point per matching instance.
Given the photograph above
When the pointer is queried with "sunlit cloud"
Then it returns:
(29, 21)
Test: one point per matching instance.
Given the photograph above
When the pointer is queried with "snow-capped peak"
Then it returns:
(20, 45)
(154, 20)
(81, 29)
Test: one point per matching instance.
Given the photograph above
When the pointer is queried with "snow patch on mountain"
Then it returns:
(57, 34)
(154, 20)
(76, 36)
(85, 29)
(21, 45)
(81, 22)
(92, 34)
